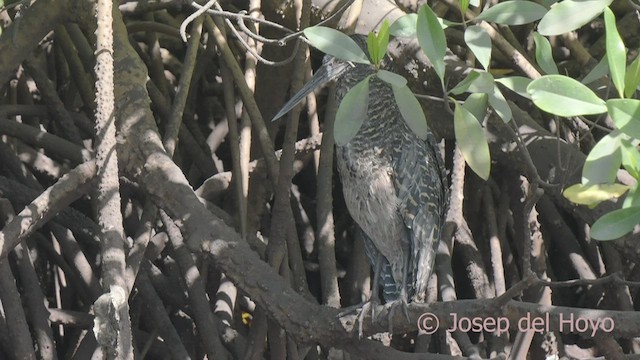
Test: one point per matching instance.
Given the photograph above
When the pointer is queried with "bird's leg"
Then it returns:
(402, 299)
(373, 299)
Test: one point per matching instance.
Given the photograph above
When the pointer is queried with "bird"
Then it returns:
(394, 183)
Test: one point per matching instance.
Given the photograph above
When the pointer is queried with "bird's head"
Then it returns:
(347, 73)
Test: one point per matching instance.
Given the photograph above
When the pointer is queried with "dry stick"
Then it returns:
(140, 242)
(57, 197)
(175, 121)
(35, 300)
(54, 145)
(312, 115)
(325, 222)
(205, 322)
(157, 317)
(36, 22)
(49, 94)
(229, 105)
(246, 94)
(454, 226)
(112, 307)
(581, 54)
(203, 162)
(70, 318)
(156, 66)
(265, 143)
(19, 171)
(83, 49)
(81, 78)
(39, 161)
(11, 303)
(494, 242)
(73, 254)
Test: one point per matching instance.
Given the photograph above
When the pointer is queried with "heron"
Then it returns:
(394, 183)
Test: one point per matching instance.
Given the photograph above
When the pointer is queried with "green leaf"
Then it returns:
(543, 54)
(392, 79)
(616, 53)
(471, 141)
(569, 15)
(632, 77)
(479, 42)
(633, 198)
(476, 81)
(564, 96)
(625, 113)
(514, 12)
(594, 194)
(631, 159)
(600, 70)
(372, 46)
(517, 84)
(464, 6)
(465, 83)
(603, 162)
(352, 112)
(335, 43)
(383, 39)
(615, 224)
(476, 104)
(431, 38)
(500, 105)
(411, 110)
(404, 26)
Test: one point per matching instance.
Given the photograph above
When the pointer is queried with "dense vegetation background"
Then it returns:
(256, 260)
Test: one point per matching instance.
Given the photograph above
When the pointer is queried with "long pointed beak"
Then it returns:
(328, 71)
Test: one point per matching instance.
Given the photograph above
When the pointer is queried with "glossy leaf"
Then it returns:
(463, 85)
(603, 162)
(599, 71)
(570, 15)
(464, 5)
(616, 53)
(500, 105)
(335, 43)
(431, 38)
(479, 42)
(476, 104)
(351, 113)
(514, 12)
(632, 77)
(564, 96)
(383, 39)
(631, 159)
(476, 81)
(625, 113)
(633, 198)
(517, 84)
(616, 224)
(372, 47)
(411, 110)
(471, 141)
(391, 78)
(543, 54)
(594, 194)
(404, 26)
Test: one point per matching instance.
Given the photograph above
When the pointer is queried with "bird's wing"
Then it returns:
(422, 193)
